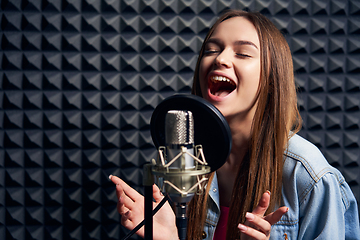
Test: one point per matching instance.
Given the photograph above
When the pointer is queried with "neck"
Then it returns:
(240, 131)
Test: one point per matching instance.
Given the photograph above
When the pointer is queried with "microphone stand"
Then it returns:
(181, 207)
(148, 182)
(181, 220)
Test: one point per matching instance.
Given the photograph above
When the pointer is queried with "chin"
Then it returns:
(222, 107)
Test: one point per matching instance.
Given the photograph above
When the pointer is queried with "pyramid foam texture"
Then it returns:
(79, 81)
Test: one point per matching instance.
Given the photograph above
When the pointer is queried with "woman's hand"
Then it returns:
(131, 208)
(258, 226)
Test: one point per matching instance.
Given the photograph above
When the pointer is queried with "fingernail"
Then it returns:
(287, 209)
(119, 198)
(242, 227)
(268, 192)
(249, 216)
(110, 176)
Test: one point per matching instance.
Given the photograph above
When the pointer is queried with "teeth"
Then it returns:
(221, 79)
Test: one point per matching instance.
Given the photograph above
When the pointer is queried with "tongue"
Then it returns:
(222, 93)
(221, 89)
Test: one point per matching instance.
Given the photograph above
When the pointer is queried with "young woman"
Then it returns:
(245, 70)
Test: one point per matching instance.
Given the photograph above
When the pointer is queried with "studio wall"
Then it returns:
(79, 81)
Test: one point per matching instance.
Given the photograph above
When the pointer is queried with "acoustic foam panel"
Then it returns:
(79, 81)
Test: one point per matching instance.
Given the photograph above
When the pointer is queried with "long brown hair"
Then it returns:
(275, 120)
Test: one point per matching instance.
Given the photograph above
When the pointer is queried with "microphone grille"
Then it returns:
(179, 127)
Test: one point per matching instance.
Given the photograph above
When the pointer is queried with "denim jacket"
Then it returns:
(321, 204)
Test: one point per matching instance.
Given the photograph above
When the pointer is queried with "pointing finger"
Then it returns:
(263, 204)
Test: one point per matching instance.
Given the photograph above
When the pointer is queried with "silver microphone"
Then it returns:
(179, 132)
(180, 169)
(181, 166)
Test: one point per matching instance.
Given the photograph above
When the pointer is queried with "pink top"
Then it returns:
(220, 231)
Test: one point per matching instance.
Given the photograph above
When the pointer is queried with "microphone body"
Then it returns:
(179, 136)
(181, 167)
(178, 168)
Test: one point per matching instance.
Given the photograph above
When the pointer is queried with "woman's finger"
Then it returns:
(251, 232)
(263, 204)
(129, 191)
(274, 217)
(124, 204)
(157, 195)
(124, 198)
(258, 223)
(122, 209)
(126, 220)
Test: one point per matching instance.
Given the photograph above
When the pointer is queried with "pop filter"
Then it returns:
(211, 129)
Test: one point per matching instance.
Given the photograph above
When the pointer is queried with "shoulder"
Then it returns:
(305, 167)
(307, 158)
(308, 181)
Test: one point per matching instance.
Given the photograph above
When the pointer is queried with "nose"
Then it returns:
(223, 58)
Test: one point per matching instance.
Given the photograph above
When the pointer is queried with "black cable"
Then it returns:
(143, 222)
(148, 208)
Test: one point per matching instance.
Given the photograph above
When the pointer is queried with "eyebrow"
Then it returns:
(239, 42)
(243, 42)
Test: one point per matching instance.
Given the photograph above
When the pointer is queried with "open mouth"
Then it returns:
(221, 86)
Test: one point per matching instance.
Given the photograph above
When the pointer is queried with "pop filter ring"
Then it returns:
(211, 129)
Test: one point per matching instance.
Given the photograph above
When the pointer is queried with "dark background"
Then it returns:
(79, 81)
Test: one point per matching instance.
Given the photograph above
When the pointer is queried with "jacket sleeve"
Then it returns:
(329, 211)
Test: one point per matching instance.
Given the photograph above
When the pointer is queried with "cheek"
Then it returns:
(252, 69)
(252, 88)
(250, 76)
(203, 70)
(249, 83)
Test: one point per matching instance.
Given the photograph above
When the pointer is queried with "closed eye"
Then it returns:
(207, 52)
(243, 55)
